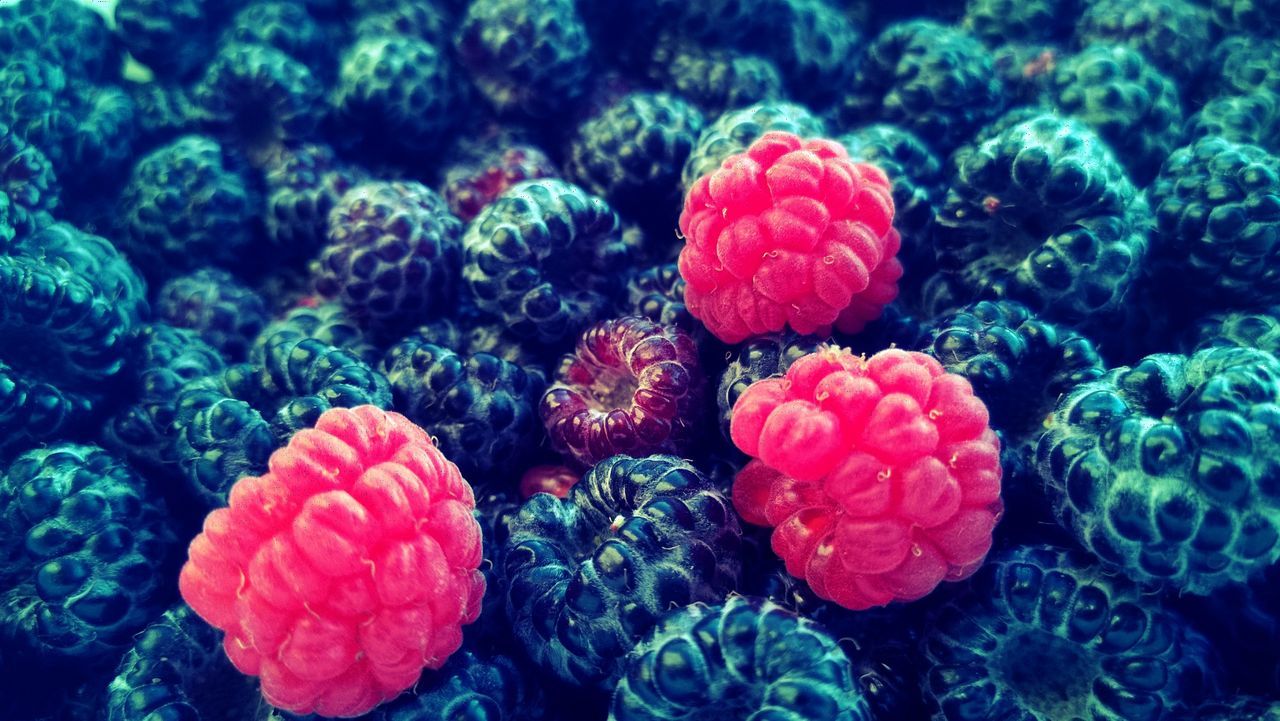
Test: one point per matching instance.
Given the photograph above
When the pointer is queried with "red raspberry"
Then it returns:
(789, 232)
(469, 187)
(633, 386)
(556, 480)
(346, 569)
(880, 476)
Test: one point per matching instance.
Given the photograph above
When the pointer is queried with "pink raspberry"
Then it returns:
(880, 476)
(346, 569)
(790, 232)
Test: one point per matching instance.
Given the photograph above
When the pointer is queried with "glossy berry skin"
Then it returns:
(880, 476)
(591, 574)
(1042, 633)
(759, 358)
(744, 658)
(346, 569)
(936, 81)
(545, 258)
(735, 129)
(556, 480)
(1218, 220)
(471, 687)
(302, 185)
(168, 670)
(471, 186)
(328, 323)
(1249, 119)
(86, 563)
(226, 314)
(1176, 35)
(631, 386)
(1259, 329)
(481, 409)
(789, 233)
(226, 426)
(392, 254)
(1165, 469)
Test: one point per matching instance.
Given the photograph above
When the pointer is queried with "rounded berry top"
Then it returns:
(346, 569)
(880, 475)
(789, 233)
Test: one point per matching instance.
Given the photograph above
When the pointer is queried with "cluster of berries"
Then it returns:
(546, 360)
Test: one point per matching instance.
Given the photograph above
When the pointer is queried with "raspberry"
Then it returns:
(1252, 119)
(744, 658)
(1241, 708)
(713, 78)
(484, 687)
(657, 293)
(1002, 21)
(174, 38)
(1042, 633)
(346, 569)
(303, 184)
(258, 95)
(287, 26)
(732, 132)
(880, 476)
(328, 323)
(1258, 329)
(1176, 35)
(790, 232)
(631, 386)
(591, 574)
(759, 358)
(68, 33)
(1167, 469)
(472, 185)
(27, 177)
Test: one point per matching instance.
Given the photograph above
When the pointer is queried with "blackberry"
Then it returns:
(328, 323)
(229, 424)
(430, 22)
(471, 686)
(591, 574)
(1248, 65)
(68, 304)
(759, 358)
(27, 178)
(517, 252)
(918, 184)
(1175, 35)
(733, 131)
(88, 562)
(162, 360)
(1019, 366)
(1252, 119)
(284, 25)
(391, 256)
(813, 51)
(174, 38)
(398, 96)
(1217, 209)
(187, 204)
(1044, 214)
(1026, 69)
(85, 130)
(1042, 633)
(939, 82)
(226, 314)
(632, 153)
(472, 184)
(714, 79)
(527, 57)
(1247, 329)
(630, 386)
(68, 33)
(1129, 103)
(480, 408)
(1003, 21)
(258, 96)
(1165, 468)
(302, 185)
(1261, 17)
(657, 293)
(746, 658)
(177, 669)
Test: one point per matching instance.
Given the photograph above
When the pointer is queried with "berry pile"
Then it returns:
(659, 360)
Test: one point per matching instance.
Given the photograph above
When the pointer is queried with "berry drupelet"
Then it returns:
(546, 258)
(328, 323)
(1248, 329)
(225, 313)
(302, 185)
(591, 574)
(27, 178)
(714, 79)
(765, 356)
(472, 184)
(1166, 469)
(1175, 35)
(733, 131)
(480, 409)
(631, 386)
(257, 96)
